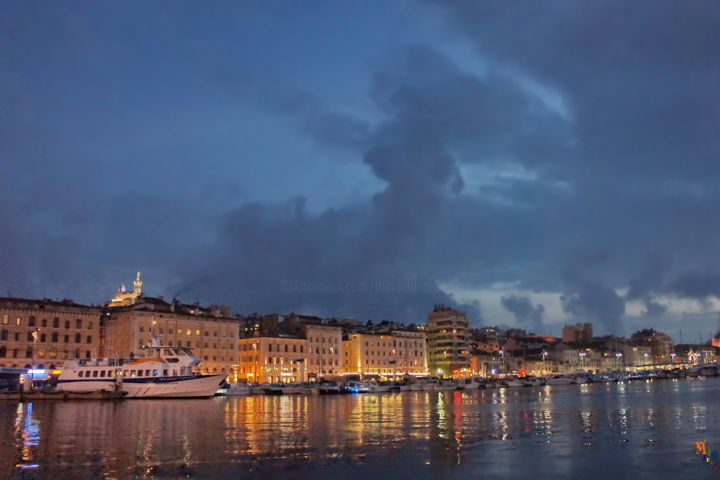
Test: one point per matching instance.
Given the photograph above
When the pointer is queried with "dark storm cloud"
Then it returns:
(526, 314)
(429, 107)
(583, 135)
(586, 301)
(650, 282)
(696, 284)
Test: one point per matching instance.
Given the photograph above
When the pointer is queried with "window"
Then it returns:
(55, 337)
(67, 338)
(56, 322)
(90, 325)
(31, 321)
(197, 332)
(5, 319)
(78, 338)
(147, 373)
(4, 335)
(80, 373)
(95, 373)
(170, 330)
(142, 329)
(44, 322)
(67, 323)
(17, 337)
(78, 323)
(30, 337)
(18, 322)
(102, 373)
(3, 351)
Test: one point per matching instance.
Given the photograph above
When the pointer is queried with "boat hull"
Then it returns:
(173, 387)
(151, 387)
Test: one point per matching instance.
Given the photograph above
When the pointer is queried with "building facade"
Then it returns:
(448, 342)
(578, 333)
(399, 353)
(211, 336)
(43, 333)
(273, 359)
(325, 355)
(661, 345)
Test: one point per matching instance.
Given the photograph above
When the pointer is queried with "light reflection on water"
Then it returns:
(643, 429)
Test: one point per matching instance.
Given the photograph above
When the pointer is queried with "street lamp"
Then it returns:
(544, 355)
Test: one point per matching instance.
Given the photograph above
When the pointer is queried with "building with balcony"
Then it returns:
(448, 342)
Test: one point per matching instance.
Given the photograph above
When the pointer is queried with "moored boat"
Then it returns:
(158, 372)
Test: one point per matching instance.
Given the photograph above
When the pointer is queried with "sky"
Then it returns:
(533, 163)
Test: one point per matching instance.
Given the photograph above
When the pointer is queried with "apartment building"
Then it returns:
(44, 333)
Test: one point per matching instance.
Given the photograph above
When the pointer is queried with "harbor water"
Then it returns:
(643, 429)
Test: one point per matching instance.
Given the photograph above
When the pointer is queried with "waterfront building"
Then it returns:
(448, 342)
(637, 355)
(661, 345)
(210, 332)
(578, 333)
(694, 354)
(273, 359)
(44, 333)
(325, 345)
(591, 360)
(398, 353)
(486, 364)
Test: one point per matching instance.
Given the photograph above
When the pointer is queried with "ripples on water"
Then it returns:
(640, 429)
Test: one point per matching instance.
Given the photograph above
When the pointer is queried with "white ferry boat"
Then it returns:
(159, 372)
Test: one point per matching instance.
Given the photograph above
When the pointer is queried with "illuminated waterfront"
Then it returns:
(642, 429)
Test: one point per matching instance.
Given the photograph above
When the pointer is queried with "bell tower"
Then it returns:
(137, 286)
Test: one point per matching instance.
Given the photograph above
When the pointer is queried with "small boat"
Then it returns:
(274, 389)
(472, 383)
(380, 387)
(292, 388)
(445, 385)
(357, 387)
(233, 389)
(330, 388)
(560, 380)
(516, 382)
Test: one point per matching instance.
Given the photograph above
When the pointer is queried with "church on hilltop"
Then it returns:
(124, 298)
